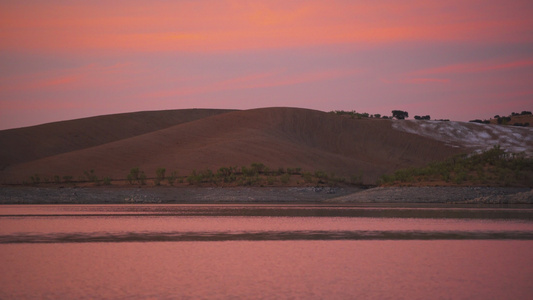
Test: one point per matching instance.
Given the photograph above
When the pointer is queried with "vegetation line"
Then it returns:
(494, 167)
(256, 174)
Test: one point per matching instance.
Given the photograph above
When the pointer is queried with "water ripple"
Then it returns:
(106, 237)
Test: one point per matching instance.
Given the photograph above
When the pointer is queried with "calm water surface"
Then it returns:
(265, 251)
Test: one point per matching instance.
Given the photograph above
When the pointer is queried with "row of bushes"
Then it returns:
(256, 174)
(88, 176)
(501, 121)
(398, 114)
(506, 120)
(494, 167)
(353, 114)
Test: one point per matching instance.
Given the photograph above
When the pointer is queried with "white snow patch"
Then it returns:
(478, 137)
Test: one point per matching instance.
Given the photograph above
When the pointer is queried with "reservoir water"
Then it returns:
(265, 252)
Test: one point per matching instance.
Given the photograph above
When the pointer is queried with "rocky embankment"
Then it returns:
(472, 195)
(121, 195)
(102, 195)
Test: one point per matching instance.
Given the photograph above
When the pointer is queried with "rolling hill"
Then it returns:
(30, 143)
(187, 140)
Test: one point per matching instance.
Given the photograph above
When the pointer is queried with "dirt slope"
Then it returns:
(288, 137)
(473, 136)
(31, 143)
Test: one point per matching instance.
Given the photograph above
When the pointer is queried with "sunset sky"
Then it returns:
(454, 59)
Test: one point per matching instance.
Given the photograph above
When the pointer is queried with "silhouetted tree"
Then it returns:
(400, 114)
(504, 120)
(480, 121)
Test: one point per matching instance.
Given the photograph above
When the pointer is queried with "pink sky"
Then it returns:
(454, 59)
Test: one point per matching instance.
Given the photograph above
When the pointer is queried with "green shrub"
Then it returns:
(134, 172)
(356, 179)
(227, 174)
(91, 176)
(248, 172)
(160, 175)
(142, 178)
(201, 176)
(334, 179)
(35, 179)
(106, 180)
(271, 180)
(250, 180)
(294, 171)
(307, 176)
(385, 179)
(460, 177)
(136, 176)
(258, 168)
(67, 178)
(321, 175)
(445, 176)
(172, 178)
(285, 178)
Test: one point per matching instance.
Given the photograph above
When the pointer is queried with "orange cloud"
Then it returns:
(209, 25)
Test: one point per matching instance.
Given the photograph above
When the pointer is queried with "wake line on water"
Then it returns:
(261, 236)
(515, 214)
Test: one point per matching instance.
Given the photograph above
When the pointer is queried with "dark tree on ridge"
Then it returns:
(400, 114)
(426, 117)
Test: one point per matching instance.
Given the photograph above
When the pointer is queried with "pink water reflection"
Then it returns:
(256, 224)
(271, 270)
(303, 269)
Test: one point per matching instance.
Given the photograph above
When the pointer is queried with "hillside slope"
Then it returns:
(30, 143)
(472, 136)
(277, 137)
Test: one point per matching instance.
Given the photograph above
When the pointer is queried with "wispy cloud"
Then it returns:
(209, 25)
(126, 55)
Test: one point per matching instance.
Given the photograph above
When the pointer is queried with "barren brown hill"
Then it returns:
(277, 137)
(31, 143)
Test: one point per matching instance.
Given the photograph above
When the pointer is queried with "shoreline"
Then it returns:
(265, 195)
(168, 195)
